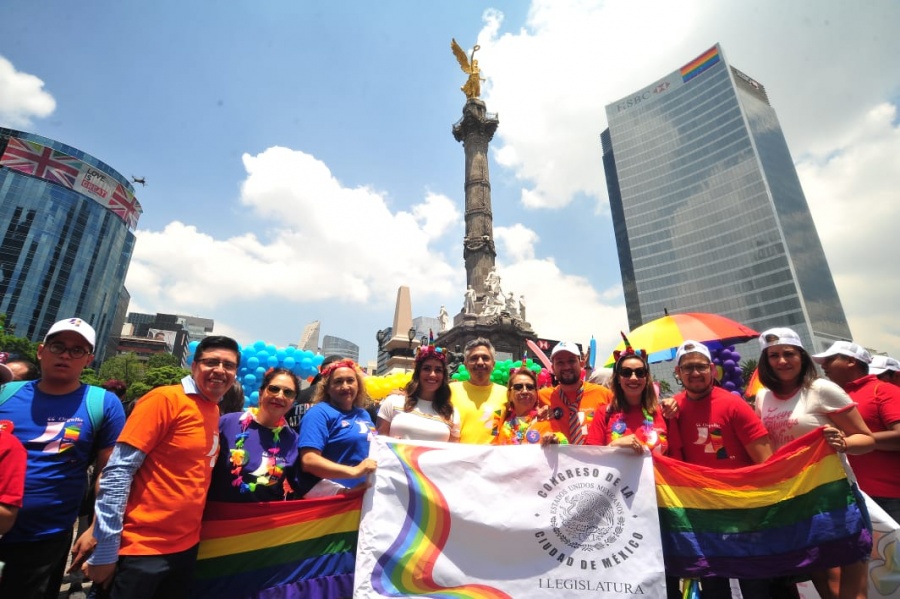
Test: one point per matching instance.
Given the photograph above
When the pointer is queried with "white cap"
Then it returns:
(76, 325)
(779, 336)
(566, 346)
(881, 364)
(844, 348)
(691, 347)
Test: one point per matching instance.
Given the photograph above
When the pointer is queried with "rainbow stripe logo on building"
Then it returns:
(700, 64)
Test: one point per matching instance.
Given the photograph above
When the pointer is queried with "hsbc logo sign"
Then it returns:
(642, 97)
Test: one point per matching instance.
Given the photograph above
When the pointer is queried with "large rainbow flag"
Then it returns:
(282, 549)
(793, 514)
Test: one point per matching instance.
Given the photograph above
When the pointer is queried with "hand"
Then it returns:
(543, 412)
(669, 407)
(367, 466)
(100, 574)
(549, 439)
(835, 438)
(82, 549)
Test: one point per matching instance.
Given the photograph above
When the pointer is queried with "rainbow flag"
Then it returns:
(793, 514)
(700, 64)
(283, 549)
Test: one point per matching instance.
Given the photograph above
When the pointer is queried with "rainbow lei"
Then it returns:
(512, 429)
(273, 472)
(647, 435)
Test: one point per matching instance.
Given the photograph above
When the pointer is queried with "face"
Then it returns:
(431, 376)
(696, 373)
(214, 372)
(342, 388)
(785, 361)
(566, 368)
(522, 393)
(840, 369)
(480, 365)
(632, 376)
(62, 368)
(274, 398)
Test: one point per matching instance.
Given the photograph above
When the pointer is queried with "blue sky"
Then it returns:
(300, 163)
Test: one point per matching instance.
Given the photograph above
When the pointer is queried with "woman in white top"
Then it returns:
(796, 401)
(423, 412)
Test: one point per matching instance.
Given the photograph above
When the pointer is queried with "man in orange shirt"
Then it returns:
(573, 403)
(153, 490)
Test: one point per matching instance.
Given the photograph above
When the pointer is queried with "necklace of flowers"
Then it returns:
(239, 454)
(647, 435)
(518, 426)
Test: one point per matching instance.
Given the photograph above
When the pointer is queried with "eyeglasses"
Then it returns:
(58, 348)
(216, 362)
(521, 386)
(638, 372)
(698, 368)
(286, 391)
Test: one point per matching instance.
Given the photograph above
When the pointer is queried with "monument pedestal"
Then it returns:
(508, 334)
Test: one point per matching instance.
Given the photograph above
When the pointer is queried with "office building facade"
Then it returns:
(335, 346)
(707, 207)
(67, 225)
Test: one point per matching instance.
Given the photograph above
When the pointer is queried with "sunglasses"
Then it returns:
(638, 372)
(521, 386)
(288, 392)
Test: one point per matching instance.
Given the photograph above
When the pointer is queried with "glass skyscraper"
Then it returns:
(707, 208)
(66, 236)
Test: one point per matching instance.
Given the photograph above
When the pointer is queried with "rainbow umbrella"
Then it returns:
(661, 337)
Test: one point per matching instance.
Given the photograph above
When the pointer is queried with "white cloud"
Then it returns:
(517, 242)
(551, 80)
(852, 192)
(323, 242)
(22, 96)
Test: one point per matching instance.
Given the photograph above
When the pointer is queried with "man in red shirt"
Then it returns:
(847, 364)
(720, 430)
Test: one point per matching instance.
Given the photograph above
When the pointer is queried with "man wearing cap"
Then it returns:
(717, 429)
(477, 398)
(887, 369)
(847, 364)
(573, 403)
(65, 427)
(153, 491)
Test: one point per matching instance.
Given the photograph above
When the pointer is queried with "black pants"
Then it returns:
(153, 576)
(34, 570)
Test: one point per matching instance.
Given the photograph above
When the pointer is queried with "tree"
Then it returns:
(11, 344)
(665, 389)
(136, 391)
(90, 377)
(127, 367)
(166, 375)
(747, 368)
(160, 360)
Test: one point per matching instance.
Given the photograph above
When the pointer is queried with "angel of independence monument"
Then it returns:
(488, 310)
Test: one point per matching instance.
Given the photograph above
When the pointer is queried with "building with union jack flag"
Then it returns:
(67, 225)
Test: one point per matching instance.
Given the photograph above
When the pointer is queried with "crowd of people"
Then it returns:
(191, 442)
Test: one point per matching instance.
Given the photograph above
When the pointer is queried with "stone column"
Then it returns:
(475, 130)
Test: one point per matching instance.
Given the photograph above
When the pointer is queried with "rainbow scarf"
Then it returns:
(793, 514)
(282, 549)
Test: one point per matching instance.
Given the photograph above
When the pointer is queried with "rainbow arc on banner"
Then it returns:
(793, 514)
(407, 567)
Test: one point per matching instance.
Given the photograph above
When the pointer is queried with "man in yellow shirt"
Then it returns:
(477, 398)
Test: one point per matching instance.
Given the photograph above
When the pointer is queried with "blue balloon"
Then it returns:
(252, 363)
(253, 399)
(189, 359)
(288, 362)
(272, 361)
(260, 372)
(317, 360)
(289, 350)
(306, 363)
(259, 345)
(280, 354)
(250, 379)
(271, 349)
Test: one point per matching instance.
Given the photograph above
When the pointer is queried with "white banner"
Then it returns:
(95, 183)
(446, 519)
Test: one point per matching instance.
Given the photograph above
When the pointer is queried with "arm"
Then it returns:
(8, 515)
(84, 545)
(759, 450)
(853, 436)
(315, 464)
(115, 486)
(888, 440)
(383, 427)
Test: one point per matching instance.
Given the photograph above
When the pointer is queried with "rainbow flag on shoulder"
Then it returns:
(793, 514)
(284, 549)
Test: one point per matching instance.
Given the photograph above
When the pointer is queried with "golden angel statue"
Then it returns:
(469, 65)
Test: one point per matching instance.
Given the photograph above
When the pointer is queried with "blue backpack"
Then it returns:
(93, 398)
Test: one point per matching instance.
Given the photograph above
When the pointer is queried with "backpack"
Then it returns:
(93, 398)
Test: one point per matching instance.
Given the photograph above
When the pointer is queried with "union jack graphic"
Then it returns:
(125, 205)
(40, 161)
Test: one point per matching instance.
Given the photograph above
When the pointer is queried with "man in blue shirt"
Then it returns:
(65, 427)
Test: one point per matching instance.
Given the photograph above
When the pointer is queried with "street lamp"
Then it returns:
(411, 334)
